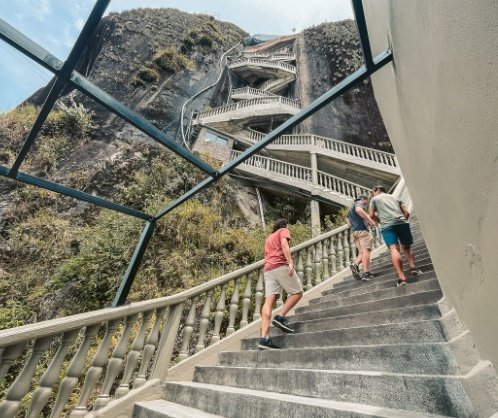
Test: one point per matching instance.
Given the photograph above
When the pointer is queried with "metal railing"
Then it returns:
(251, 91)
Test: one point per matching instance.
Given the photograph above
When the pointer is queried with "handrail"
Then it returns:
(251, 90)
(272, 82)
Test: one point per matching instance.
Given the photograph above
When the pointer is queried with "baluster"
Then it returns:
(133, 356)
(220, 313)
(189, 329)
(300, 269)
(352, 247)
(115, 363)
(203, 326)
(361, 153)
(309, 269)
(150, 347)
(340, 252)
(246, 302)
(234, 306)
(20, 387)
(49, 379)
(347, 254)
(318, 263)
(325, 260)
(95, 371)
(259, 295)
(9, 355)
(74, 370)
(333, 258)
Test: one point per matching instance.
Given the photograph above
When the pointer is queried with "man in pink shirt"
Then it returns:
(279, 275)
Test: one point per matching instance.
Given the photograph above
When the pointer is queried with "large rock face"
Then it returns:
(327, 54)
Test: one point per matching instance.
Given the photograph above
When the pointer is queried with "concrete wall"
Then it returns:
(218, 151)
(439, 102)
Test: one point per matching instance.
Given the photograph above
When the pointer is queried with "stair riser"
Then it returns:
(389, 316)
(389, 292)
(408, 359)
(397, 302)
(404, 333)
(433, 395)
(387, 264)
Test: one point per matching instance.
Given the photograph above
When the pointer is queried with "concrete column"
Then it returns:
(314, 206)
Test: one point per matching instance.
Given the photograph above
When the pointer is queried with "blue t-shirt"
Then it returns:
(357, 222)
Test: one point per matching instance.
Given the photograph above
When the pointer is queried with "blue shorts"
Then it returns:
(397, 234)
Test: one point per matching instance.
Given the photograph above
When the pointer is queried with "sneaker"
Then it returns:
(282, 323)
(266, 344)
(401, 283)
(367, 276)
(414, 271)
(356, 271)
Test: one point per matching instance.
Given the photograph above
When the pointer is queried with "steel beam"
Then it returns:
(361, 24)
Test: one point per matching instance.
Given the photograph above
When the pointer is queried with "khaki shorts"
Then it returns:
(278, 279)
(362, 240)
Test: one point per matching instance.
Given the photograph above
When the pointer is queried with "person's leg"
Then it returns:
(359, 258)
(406, 240)
(366, 260)
(397, 260)
(266, 314)
(290, 302)
(409, 256)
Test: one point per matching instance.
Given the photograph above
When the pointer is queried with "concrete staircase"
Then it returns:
(362, 349)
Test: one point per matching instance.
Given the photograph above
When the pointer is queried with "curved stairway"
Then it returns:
(363, 349)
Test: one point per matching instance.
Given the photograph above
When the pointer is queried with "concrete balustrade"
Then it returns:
(317, 143)
(257, 103)
(262, 63)
(274, 84)
(135, 351)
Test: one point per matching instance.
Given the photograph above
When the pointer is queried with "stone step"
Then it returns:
(442, 395)
(374, 294)
(401, 301)
(387, 316)
(429, 358)
(429, 331)
(352, 283)
(165, 409)
(409, 289)
(234, 402)
(372, 286)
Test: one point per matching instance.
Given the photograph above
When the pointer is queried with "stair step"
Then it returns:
(351, 283)
(239, 402)
(165, 409)
(430, 358)
(430, 331)
(401, 301)
(387, 316)
(374, 294)
(377, 283)
(427, 394)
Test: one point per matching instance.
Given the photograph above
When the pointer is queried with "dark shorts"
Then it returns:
(397, 234)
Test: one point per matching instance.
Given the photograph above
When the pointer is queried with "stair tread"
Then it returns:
(173, 410)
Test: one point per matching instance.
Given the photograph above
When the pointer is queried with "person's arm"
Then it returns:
(286, 250)
(349, 223)
(373, 215)
(405, 211)
(364, 215)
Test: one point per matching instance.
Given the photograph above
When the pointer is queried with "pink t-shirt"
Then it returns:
(274, 256)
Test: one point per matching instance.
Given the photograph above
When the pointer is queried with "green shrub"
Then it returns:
(148, 74)
(193, 34)
(188, 43)
(206, 40)
(137, 82)
(169, 60)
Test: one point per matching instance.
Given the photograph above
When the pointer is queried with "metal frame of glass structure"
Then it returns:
(65, 74)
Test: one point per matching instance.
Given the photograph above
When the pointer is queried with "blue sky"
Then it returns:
(55, 25)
